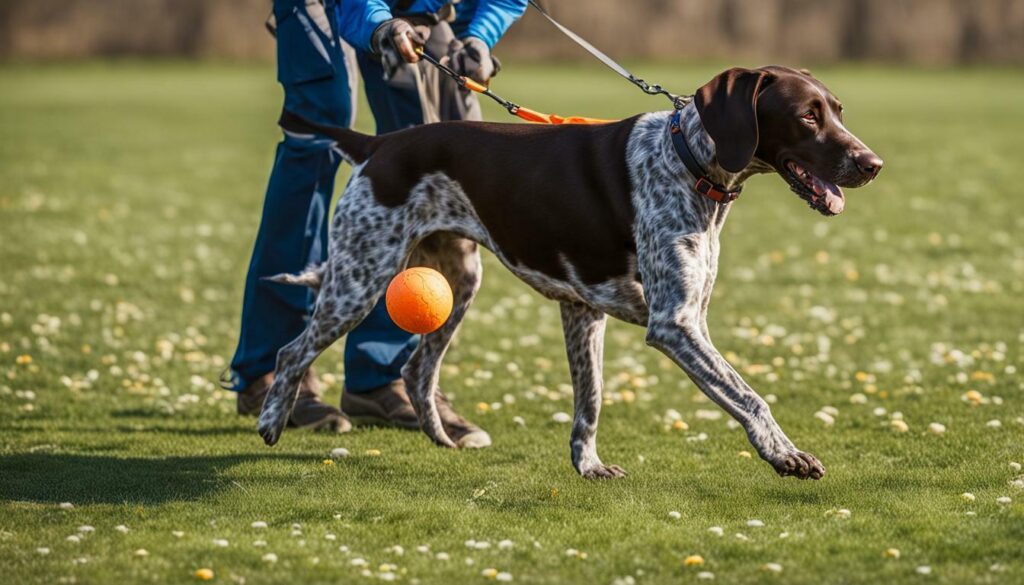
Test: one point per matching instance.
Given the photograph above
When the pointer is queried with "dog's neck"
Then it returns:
(703, 149)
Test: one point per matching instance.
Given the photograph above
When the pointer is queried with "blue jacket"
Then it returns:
(486, 20)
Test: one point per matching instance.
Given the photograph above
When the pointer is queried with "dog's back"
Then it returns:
(547, 195)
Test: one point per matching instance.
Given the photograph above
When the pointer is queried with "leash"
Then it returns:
(678, 101)
(512, 107)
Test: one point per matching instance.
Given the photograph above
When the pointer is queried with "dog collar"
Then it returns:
(703, 185)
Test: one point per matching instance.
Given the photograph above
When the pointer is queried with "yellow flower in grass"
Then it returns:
(693, 561)
(373, 452)
(203, 574)
(23, 359)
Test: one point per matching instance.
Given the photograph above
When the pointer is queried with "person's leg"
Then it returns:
(294, 226)
(376, 350)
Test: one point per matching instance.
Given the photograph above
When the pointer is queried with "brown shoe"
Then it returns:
(389, 404)
(464, 433)
(385, 405)
(309, 413)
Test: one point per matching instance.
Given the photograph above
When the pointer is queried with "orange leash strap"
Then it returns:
(513, 108)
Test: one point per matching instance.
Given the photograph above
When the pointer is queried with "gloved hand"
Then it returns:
(396, 41)
(472, 58)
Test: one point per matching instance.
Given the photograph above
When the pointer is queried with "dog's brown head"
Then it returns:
(790, 121)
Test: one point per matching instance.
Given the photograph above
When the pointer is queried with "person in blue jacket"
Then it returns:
(320, 43)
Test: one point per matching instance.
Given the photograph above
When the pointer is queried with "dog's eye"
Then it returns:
(809, 117)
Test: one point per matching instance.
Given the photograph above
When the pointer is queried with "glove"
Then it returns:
(396, 41)
(472, 58)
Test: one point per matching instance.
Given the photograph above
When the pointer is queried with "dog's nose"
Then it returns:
(869, 163)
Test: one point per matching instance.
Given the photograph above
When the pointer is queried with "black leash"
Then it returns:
(678, 101)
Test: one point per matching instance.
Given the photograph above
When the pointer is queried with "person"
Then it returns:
(319, 45)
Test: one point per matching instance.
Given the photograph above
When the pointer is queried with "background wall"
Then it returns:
(925, 32)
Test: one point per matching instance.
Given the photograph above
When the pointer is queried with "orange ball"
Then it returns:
(419, 300)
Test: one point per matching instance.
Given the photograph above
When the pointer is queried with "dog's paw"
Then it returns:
(602, 471)
(799, 465)
(271, 424)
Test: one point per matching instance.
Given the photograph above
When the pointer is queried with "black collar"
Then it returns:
(703, 185)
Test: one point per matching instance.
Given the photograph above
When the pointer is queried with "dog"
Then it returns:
(619, 219)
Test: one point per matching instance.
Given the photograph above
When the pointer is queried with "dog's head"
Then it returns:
(788, 121)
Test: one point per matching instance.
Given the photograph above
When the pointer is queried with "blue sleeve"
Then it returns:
(357, 19)
(491, 18)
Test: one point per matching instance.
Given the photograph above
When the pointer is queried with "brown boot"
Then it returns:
(465, 434)
(389, 404)
(385, 405)
(309, 413)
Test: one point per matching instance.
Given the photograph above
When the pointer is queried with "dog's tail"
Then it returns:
(354, 147)
(313, 277)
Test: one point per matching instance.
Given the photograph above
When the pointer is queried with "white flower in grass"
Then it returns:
(674, 515)
(506, 544)
(1003, 500)
(42, 550)
(706, 576)
(936, 428)
(85, 529)
(177, 533)
(783, 535)
(994, 423)
(74, 538)
(843, 514)
(490, 573)
(423, 548)
(825, 417)
(742, 537)
(967, 497)
(442, 556)
(716, 530)
(66, 506)
(259, 525)
(269, 558)
(561, 417)
(221, 542)
(481, 545)
(329, 536)
(1015, 466)
(259, 543)
(339, 453)
(755, 523)
(386, 576)
(772, 567)
(503, 576)
(470, 543)
(924, 570)
(121, 528)
(358, 562)
(142, 552)
(519, 421)
(899, 426)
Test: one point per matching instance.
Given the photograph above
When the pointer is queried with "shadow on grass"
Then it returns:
(101, 479)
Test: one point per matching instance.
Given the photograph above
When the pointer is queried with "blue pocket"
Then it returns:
(302, 54)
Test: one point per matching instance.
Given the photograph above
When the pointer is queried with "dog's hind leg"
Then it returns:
(584, 343)
(357, 272)
(458, 259)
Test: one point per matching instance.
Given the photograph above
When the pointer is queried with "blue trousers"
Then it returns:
(294, 227)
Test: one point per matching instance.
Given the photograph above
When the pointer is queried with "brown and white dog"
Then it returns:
(605, 219)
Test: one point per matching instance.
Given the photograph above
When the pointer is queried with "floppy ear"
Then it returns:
(728, 109)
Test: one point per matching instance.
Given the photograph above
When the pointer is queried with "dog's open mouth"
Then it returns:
(820, 194)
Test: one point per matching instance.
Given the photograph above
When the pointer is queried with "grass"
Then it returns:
(129, 196)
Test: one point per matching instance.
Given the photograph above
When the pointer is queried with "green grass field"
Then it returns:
(129, 196)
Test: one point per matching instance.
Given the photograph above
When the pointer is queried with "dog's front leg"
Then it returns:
(684, 342)
(675, 327)
(584, 344)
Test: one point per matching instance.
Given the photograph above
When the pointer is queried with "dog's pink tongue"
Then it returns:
(834, 199)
